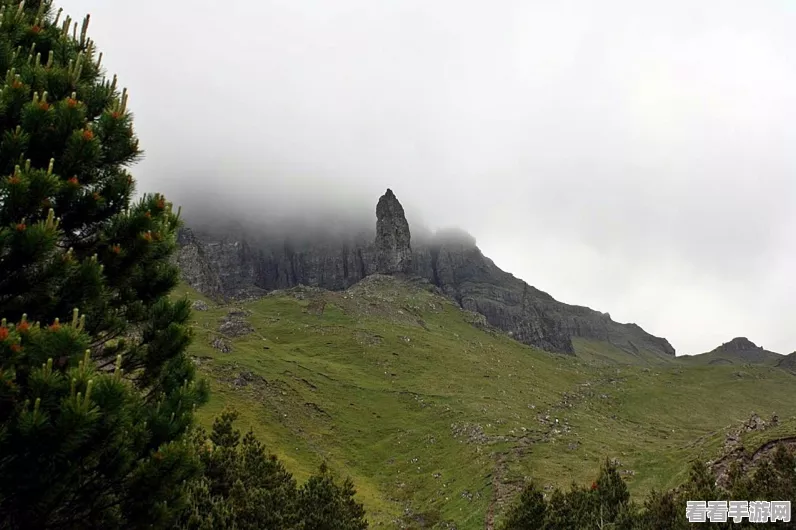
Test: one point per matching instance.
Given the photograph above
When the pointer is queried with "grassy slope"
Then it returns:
(435, 418)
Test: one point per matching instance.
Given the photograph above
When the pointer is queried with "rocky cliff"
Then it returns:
(238, 265)
(224, 268)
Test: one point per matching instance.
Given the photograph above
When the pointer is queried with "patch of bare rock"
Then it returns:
(221, 345)
(199, 305)
(733, 450)
(234, 324)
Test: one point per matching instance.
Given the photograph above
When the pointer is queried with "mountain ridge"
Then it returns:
(739, 350)
(238, 265)
(788, 362)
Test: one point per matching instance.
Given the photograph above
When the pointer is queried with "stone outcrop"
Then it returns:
(393, 249)
(235, 324)
(234, 268)
(199, 305)
(734, 453)
(221, 345)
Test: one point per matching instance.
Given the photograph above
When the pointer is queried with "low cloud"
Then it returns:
(629, 156)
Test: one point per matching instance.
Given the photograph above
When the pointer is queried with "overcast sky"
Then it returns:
(635, 157)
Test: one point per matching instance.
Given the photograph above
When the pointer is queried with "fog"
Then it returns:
(635, 157)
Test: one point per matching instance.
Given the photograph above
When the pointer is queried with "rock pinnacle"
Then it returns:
(393, 249)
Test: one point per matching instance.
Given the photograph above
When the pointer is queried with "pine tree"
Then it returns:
(244, 488)
(528, 512)
(606, 504)
(565, 510)
(701, 483)
(664, 510)
(611, 492)
(325, 505)
(71, 237)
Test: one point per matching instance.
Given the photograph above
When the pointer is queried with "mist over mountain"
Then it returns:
(306, 218)
(628, 157)
(234, 264)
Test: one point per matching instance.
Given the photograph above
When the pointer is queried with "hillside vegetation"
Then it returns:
(439, 418)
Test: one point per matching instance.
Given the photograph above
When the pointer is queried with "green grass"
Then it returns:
(597, 352)
(434, 418)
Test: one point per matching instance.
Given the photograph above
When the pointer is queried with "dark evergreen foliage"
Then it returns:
(529, 511)
(91, 412)
(606, 504)
(243, 487)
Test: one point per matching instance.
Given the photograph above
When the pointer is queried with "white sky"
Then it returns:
(635, 157)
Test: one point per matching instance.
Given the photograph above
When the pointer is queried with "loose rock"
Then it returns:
(199, 305)
(221, 345)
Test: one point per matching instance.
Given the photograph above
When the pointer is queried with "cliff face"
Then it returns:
(233, 268)
(219, 269)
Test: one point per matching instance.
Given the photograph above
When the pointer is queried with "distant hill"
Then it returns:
(739, 350)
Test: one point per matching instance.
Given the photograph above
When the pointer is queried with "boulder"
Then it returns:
(199, 305)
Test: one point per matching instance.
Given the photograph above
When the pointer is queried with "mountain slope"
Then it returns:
(239, 264)
(438, 417)
(739, 350)
(788, 362)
